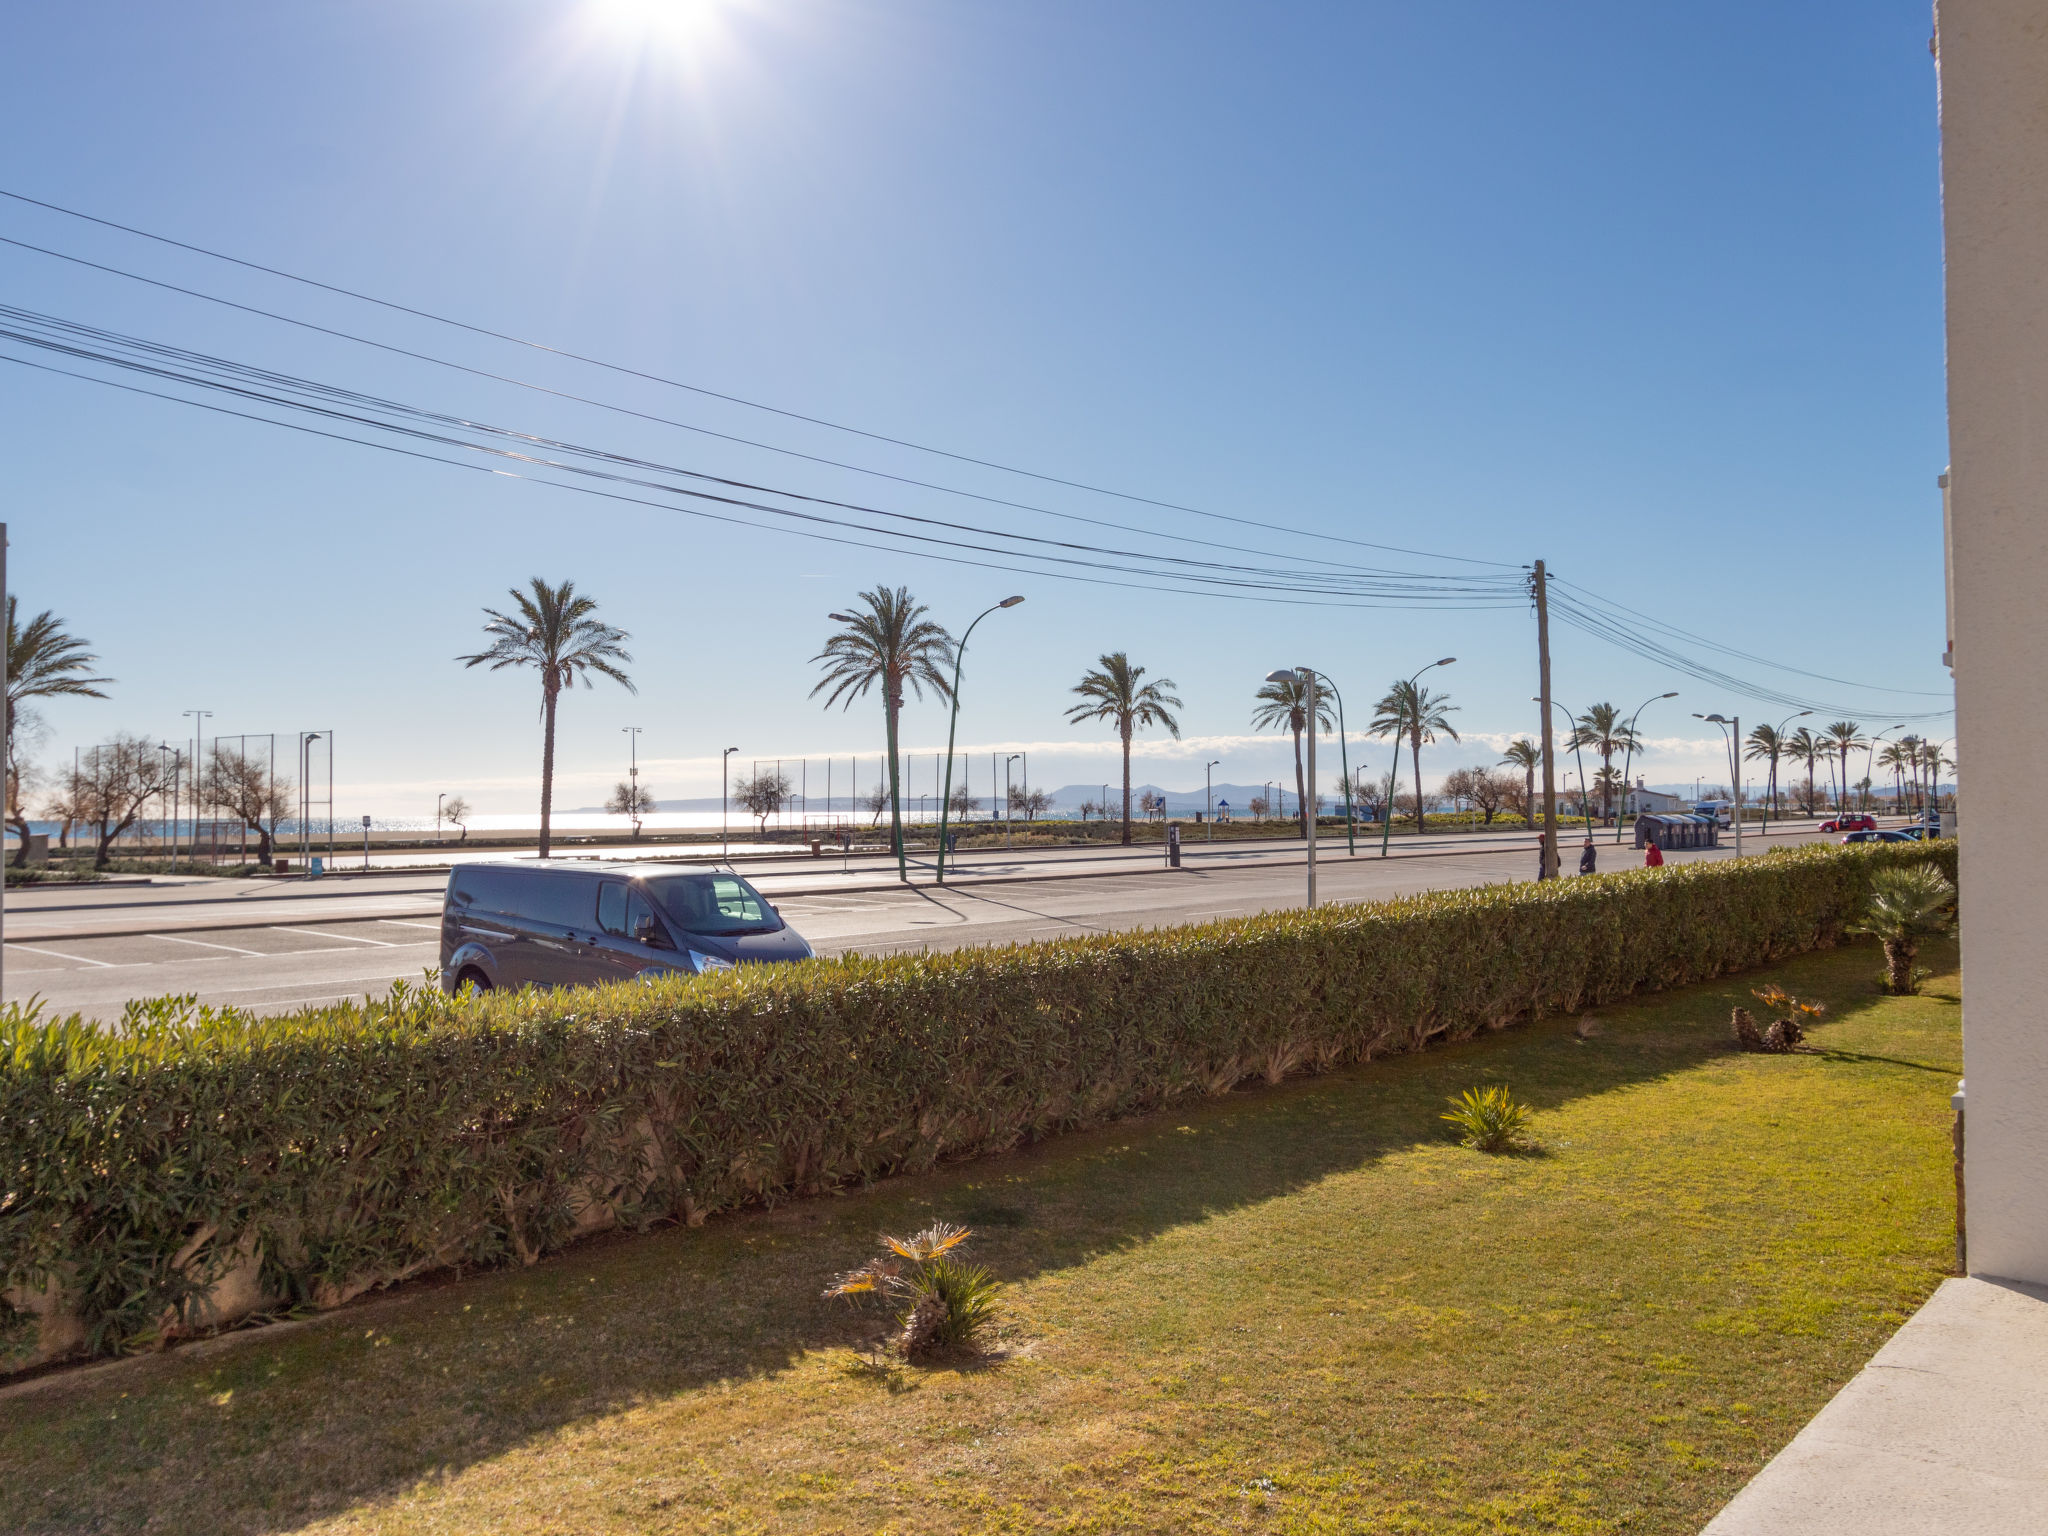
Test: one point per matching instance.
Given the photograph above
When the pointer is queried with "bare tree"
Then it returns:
(877, 801)
(117, 779)
(1487, 789)
(629, 797)
(1030, 802)
(765, 794)
(1258, 806)
(962, 803)
(241, 788)
(457, 811)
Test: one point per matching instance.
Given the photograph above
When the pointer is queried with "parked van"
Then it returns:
(519, 925)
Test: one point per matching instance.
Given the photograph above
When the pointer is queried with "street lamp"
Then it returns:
(1732, 729)
(1578, 752)
(724, 768)
(1306, 677)
(1629, 752)
(1775, 736)
(1870, 757)
(1209, 796)
(1006, 796)
(176, 753)
(1394, 779)
(438, 800)
(198, 717)
(959, 657)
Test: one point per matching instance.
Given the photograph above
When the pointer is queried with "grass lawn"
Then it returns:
(1300, 1309)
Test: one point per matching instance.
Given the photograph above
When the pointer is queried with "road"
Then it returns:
(277, 946)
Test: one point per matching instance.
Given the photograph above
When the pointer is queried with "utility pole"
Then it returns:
(1542, 594)
(6, 750)
(1309, 806)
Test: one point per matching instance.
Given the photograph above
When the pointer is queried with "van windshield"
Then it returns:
(716, 904)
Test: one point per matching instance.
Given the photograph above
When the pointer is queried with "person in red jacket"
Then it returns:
(1654, 859)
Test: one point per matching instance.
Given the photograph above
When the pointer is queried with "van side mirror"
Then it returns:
(649, 932)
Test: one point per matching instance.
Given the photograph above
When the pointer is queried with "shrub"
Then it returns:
(203, 1164)
(947, 1305)
(1491, 1118)
(1906, 905)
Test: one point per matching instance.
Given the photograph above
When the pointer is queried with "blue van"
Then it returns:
(540, 925)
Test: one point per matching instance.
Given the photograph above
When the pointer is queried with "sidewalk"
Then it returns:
(1944, 1431)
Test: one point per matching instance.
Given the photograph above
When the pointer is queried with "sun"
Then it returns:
(658, 23)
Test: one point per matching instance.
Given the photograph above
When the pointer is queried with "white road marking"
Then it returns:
(314, 933)
(393, 922)
(172, 938)
(58, 954)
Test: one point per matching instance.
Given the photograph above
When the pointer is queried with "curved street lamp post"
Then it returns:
(1394, 778)
(1628, 755)
(952, 729)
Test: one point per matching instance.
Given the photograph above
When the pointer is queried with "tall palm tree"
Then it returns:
(1899, 756)
(1411, 710)
(557, 633)
(44, 661)
(1603, 729)
(1842, 738)
(1284, 706)
(887, 640)
(1524, 754)
(1802, 746)
(1764, 744)
(1114, 693)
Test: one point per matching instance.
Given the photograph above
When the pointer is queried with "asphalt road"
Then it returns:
(279, 947)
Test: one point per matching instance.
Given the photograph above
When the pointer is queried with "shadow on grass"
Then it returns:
(268, 1432)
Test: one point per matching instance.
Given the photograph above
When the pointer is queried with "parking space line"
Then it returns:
(58, 954)
(396, 923)
(315, 933)
(172, 938)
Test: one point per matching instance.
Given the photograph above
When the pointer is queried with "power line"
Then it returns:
(655, 378)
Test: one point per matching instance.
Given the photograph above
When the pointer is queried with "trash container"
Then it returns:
(1173, 846)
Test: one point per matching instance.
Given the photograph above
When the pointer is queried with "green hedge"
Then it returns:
(205, 1164)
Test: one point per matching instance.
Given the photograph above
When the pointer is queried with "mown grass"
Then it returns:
(1302, 1309)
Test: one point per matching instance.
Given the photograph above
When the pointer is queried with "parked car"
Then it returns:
(520, 925)
(1888, 835)
(1855, 821)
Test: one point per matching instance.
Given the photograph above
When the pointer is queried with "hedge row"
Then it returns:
(201, 1165)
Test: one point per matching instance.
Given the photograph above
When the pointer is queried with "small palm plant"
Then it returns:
(1905, 907)
(1492, 1119)
(946, 1305)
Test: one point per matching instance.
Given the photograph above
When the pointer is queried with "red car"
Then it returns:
(1854, 822)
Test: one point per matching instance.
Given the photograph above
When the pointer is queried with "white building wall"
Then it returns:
(1993, 58)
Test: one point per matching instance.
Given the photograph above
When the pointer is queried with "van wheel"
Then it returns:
(472, 980)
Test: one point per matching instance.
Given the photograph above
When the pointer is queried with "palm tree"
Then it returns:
(887, 640)
(1524, 754)
(1906, 906)
(1602, 729)
(43, 662)
(1842, 738)
(1766, 745)
(1802, 746)
(1114, 693)
(1899, 756)
(1284, 706)
(557, 633)
(1411, 710)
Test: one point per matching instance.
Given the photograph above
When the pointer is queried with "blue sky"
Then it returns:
(1651, 293)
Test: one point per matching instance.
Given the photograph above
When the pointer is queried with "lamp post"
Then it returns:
(1343, 767)
(172, 828)
(1209, 796)
(1777, 735)
(1006, 796)
(1307, 678)
(1870, 757)
(959, 659)
(1394, 779)
(1578, 752)
(724, 834)
(198, 717)
(438, 800)
(632, 734)
(1628, 754)
(1732, 729)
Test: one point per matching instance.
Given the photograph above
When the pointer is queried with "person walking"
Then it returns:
(1588, 859)
(1654, 859)
(1542, 864)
